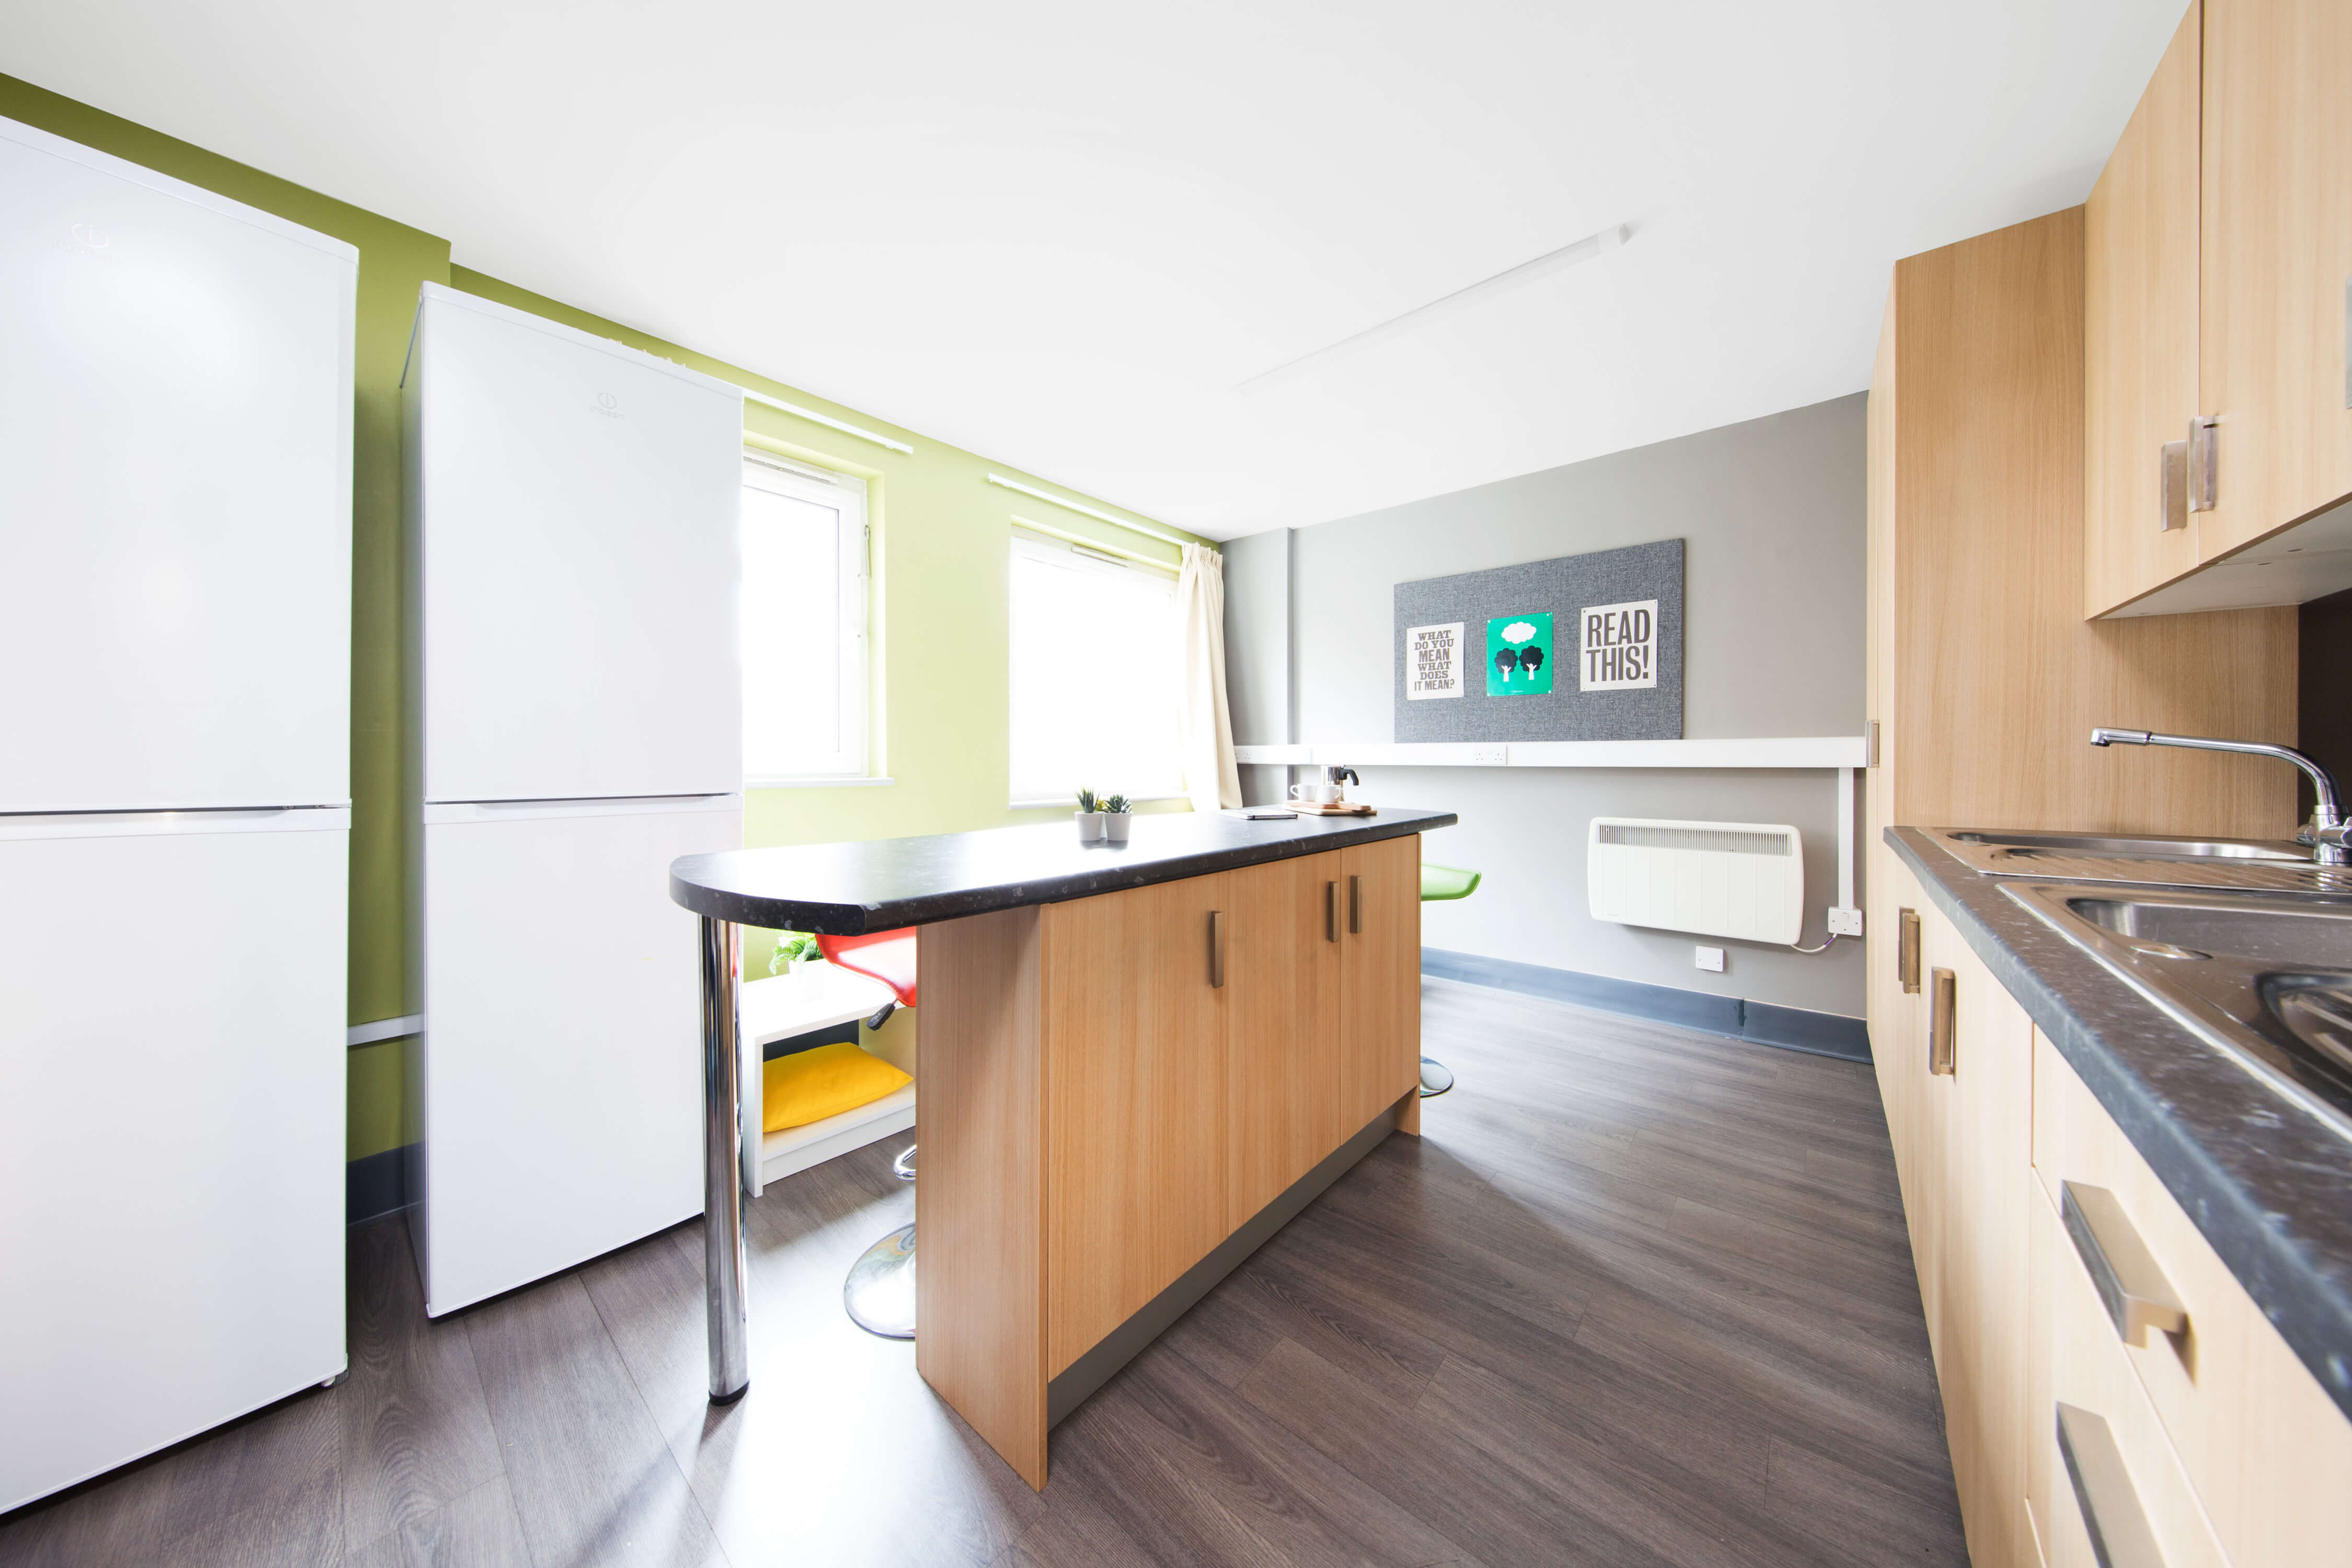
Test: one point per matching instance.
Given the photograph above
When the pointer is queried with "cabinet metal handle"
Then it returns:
(2120, 1536)
(1356, 906)
(1906, 950)
(2204, 461)
(1217, 948)
(1941, 1009)
(2172, 486)
(2131, 1286)
(1331, 911)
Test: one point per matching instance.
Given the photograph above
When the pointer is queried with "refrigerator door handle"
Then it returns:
(440, 811)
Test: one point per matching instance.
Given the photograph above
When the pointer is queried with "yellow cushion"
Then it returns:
(809, 1086)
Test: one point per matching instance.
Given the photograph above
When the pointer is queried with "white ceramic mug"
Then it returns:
(1317, 794)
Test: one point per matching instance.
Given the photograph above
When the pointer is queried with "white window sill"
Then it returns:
(1070, 802)
(805, 781)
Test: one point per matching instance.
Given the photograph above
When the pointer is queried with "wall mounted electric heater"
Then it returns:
(1717, 878)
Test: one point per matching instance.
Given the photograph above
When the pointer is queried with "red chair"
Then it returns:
(885, 956)
(879, 1294)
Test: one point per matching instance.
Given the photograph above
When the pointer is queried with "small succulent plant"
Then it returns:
(1087, 801)
(1116, 804)
(791, 945)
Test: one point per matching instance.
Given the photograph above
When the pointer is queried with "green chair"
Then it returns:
(1443, 882)
(1438, 884)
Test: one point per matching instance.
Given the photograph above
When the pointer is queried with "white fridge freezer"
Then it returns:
(175, 589)
(171, 1128)
(577, 526)
(175, 492)
(560, 1067)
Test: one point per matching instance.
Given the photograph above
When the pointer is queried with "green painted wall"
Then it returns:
(941, 703)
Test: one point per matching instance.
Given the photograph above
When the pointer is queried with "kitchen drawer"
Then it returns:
(2265, 1448)
(2123, 1467)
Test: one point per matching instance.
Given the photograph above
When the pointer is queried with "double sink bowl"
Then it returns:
(2246, 943)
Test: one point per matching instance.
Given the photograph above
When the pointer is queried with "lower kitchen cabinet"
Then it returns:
(2264, 1448)
(1379, 976)
(2098, 1465)
(2210, 1445)
(1283, 1052)
(1136, 1113)
(1211, 1041)
(1956, 1070)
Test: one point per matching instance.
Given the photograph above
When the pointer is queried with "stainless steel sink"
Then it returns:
(2266, 979)
(2145, 860)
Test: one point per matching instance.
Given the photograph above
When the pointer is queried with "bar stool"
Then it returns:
(1442, 884)
(879, 1294)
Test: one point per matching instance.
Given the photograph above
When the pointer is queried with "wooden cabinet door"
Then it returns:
(1283, 1071)
(2277, 262)
(1934, 1118)
(1379, 977)
(1135, 1038)
(2139, 337)
(1897, 1018)
(1986, 1309)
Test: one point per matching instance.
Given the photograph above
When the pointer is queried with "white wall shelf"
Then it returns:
(815, 996)
(1839, 753)
(1765, 752)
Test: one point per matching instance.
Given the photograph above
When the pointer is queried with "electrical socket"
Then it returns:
(1711, 960)
(1846, 922)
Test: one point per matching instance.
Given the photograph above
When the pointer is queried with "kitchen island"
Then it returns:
(1137, 1061)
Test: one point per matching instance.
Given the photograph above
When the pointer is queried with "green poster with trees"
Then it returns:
(1518, 655)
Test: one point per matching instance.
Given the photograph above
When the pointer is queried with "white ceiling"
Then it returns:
(1059, 234)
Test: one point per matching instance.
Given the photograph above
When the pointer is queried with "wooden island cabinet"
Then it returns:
(1164, 1072)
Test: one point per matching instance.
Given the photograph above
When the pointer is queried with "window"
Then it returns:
(1093, 676)
(803, 625)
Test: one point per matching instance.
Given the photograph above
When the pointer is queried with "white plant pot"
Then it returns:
(1090, 826)
(1115, 824)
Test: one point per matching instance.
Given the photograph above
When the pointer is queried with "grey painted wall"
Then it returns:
(1772, 510)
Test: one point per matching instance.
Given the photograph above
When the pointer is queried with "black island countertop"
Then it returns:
(882, 884)
(2266, 1182)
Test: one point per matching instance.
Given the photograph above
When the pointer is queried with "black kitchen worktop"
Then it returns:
(2266, 1182)
(881, 884)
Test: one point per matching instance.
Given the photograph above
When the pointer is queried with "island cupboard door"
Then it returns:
(1289, 923)
(1135, 1028)
(1379, 977)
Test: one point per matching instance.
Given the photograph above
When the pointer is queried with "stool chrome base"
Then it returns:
(1436, 1078)
(879, 1294)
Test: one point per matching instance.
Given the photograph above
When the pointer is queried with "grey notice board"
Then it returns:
(1616, 673)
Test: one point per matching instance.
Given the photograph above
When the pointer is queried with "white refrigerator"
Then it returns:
(175, 493)
(575, 508)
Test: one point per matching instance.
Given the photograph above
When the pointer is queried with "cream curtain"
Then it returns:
(1204, 725)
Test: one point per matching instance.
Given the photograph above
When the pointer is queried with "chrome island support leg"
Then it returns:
(722, 1173)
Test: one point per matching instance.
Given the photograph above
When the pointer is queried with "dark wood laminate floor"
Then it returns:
(1638, 1297)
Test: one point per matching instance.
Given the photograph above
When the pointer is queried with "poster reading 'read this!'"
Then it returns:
(1619, 646)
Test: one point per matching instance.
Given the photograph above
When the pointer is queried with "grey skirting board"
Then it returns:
(2265, 1182)
(1123, 1343)
(375, 1184)
(1762, 1023)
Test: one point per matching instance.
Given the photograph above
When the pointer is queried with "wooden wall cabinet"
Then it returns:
(1984, 679)
(2276, 276)
(2219, 286)
(2139, 339)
